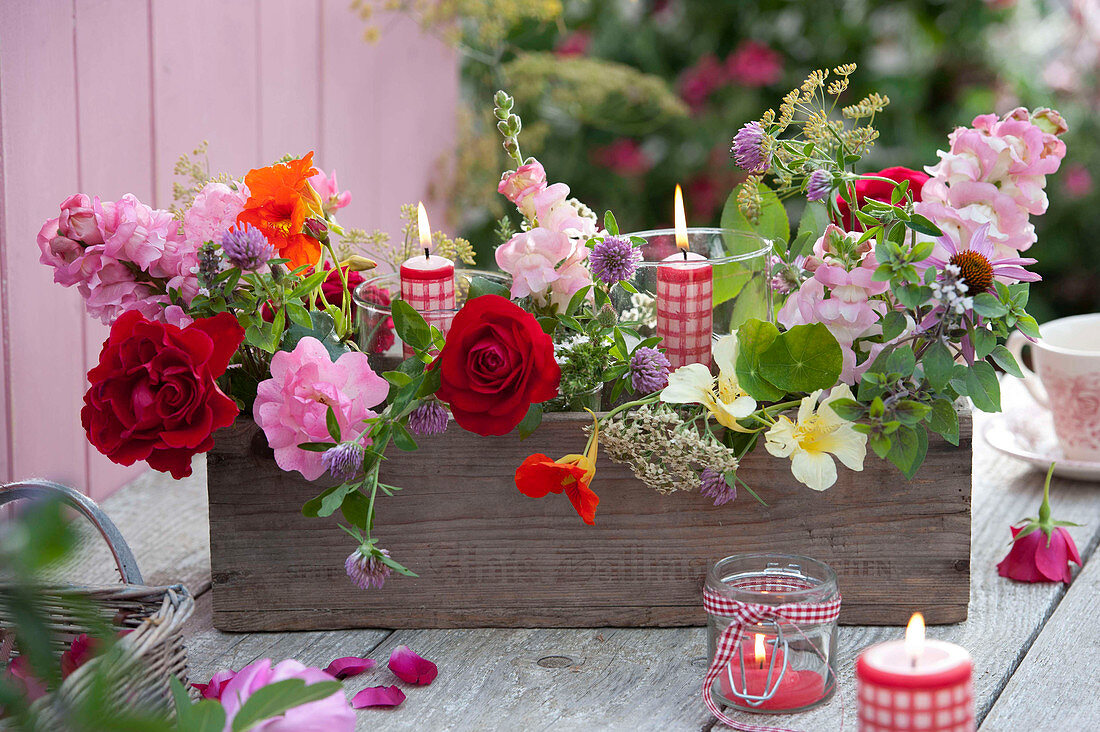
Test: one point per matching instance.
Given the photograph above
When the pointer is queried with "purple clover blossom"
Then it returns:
(818, 185)
(649, 370)
(712, 484)
(750, 150)
(247, 248)
(344, 460)
(430, 418)
(614, 259)
(366, 568)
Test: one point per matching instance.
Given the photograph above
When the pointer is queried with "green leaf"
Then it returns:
(848, 409)
(356, 509)
(483, 286)
(901, 360)
(530, 422)
(911, 412)
(299, 314)
(1028, 326)
(610, 223)
(772, 223)
(327, 502)
(1004, 358)
(410, 325)
(922, 225)
(938, 365)
(323, 329)
(205, 715)
(908, 447)
(307, 285)
(814, 221)
(276, 699)
(983, 388)
(754, 338)
(430, 385)
(577, 299)
(402, 438)
(397, 378)
(893, 325)
(332, 424)
(805, 358)
(983, 341)
(945, 420)
(315, 446)
(988, 306)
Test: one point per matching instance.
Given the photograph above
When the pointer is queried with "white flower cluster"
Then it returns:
(951, 291)
(562, 348)
(643, 309)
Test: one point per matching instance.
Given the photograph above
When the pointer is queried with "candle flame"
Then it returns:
(681, 221)
(758, 649)
(914, 638)
(423, 228)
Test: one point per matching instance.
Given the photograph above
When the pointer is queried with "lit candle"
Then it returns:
(915, 684)
(428, 281)
(793, 690)
(684, 299)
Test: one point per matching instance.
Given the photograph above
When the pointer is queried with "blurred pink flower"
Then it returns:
(754, 64)
(573, 44)
(706, 195)
(213, 689)
(1077, 181)
(698, 82)
(292, 406)
(624, 156)
(213, 212)
(331, 714)
(332, 198)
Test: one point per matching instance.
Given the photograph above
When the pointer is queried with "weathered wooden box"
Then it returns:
(489, 556)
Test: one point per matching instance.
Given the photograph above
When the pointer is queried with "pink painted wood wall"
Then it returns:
(102, 96)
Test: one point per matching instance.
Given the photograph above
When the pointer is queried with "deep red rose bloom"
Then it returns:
(497, 361)
(878, 190)
(333, 289)
(1039, 558)
(153, 395)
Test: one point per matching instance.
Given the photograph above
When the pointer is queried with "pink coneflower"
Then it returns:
(979, 263)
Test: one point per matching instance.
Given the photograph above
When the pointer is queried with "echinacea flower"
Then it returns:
(538, 475)
(366, 569)
(411, 667)
(818, 185)
(343, 461)
(615, 259)
(712, 484)
(750, 148)
(430, 418)
(279, 202)
(724, 398)
(979, 262)
(817, 433)
(648, 370)
(246, 248)
(1041, 548)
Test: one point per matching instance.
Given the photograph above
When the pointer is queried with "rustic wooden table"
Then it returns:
(1034, 650)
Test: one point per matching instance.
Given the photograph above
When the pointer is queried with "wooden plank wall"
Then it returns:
(102, 96)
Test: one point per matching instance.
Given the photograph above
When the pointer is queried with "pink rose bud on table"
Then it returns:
(1041, 548)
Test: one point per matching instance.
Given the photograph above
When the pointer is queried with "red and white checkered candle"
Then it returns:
(915, 685)
(685, 296)
(428, 282)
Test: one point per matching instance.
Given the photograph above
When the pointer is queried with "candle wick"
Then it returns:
(685, 251)
(913, 661)
(426, 255)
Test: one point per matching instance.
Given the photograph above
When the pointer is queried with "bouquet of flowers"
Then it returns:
(899, 289)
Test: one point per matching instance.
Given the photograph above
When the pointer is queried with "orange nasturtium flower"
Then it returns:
(279, 202)
(539, 475)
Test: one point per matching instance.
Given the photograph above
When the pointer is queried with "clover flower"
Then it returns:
(615, 259)
(712, 484)
(246, 247)
(344, 460)
(649, 370)
(430, 418)
(366, 568)
(818, 185)
(750, 148)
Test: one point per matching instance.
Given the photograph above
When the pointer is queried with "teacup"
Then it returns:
(1066, 380)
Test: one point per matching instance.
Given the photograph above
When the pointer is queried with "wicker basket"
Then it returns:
(153, 615)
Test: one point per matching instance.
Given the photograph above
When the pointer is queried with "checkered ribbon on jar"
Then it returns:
(742, 614)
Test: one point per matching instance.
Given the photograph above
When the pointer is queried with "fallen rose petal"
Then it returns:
(79, 653)
(213, 689)
(347, 666)
(378, 696)
(411, 668)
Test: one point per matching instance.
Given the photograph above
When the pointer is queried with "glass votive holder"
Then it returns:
(778, 666)
(740, 272)
(376, 335)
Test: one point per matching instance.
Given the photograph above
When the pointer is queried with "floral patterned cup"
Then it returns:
(1066, 380)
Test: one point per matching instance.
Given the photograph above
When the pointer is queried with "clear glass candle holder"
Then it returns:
(778, 668)
(741, 270)
(376, 336)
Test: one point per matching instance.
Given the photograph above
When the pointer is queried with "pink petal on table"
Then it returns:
(378, 696)
(347, 666)
(213, 689)
(411, 668)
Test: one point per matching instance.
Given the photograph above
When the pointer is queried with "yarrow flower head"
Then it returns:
(366, 568)
(615, 259)
(750, 148)
(712, 484)
(246, 247)
(818, 185)
(649, 370)
(430, 418)
(344, 460)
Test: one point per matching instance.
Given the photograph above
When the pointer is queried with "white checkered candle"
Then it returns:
(428, 282)
(915, 685)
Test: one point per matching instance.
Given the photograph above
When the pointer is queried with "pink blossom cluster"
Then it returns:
(213, 212)
(121, 256)
(995, 173)
(547, 261)
(839, 295)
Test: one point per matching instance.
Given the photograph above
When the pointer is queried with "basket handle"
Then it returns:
(120, 550)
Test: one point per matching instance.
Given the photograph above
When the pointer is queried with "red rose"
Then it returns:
(333, 289)
(878, 190)
(153, 395)
(496, 362)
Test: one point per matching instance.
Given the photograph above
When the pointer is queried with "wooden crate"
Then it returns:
(489, 556)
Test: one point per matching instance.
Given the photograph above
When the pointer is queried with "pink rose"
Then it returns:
(331, 714)
(213, 212)
(78, 220)
(332, 198)
(292, 406)
(531, 258)
(520, 185)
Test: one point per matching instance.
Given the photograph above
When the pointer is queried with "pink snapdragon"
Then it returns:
(520, 186)
(531, 257)
(332, 198)
(292, 406)
(213, 212)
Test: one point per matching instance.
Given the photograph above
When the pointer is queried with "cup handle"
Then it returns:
(1015, 345)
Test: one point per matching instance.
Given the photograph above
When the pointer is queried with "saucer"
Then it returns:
(1027, 433)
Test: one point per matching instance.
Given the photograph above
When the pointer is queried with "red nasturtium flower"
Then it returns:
(538, 475)
(879, 190)
(279, 202)
(1041, 548)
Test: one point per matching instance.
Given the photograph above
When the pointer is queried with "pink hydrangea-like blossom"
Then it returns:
(292, 406)
(332, 198)
(331, 714)
(213, 212)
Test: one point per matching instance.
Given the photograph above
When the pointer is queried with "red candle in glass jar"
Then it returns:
(796, 689)
(428, 282)
(685, 296)
(915, 684)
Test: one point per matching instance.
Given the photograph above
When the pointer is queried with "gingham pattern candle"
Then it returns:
(684, 308)
(428, 284)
